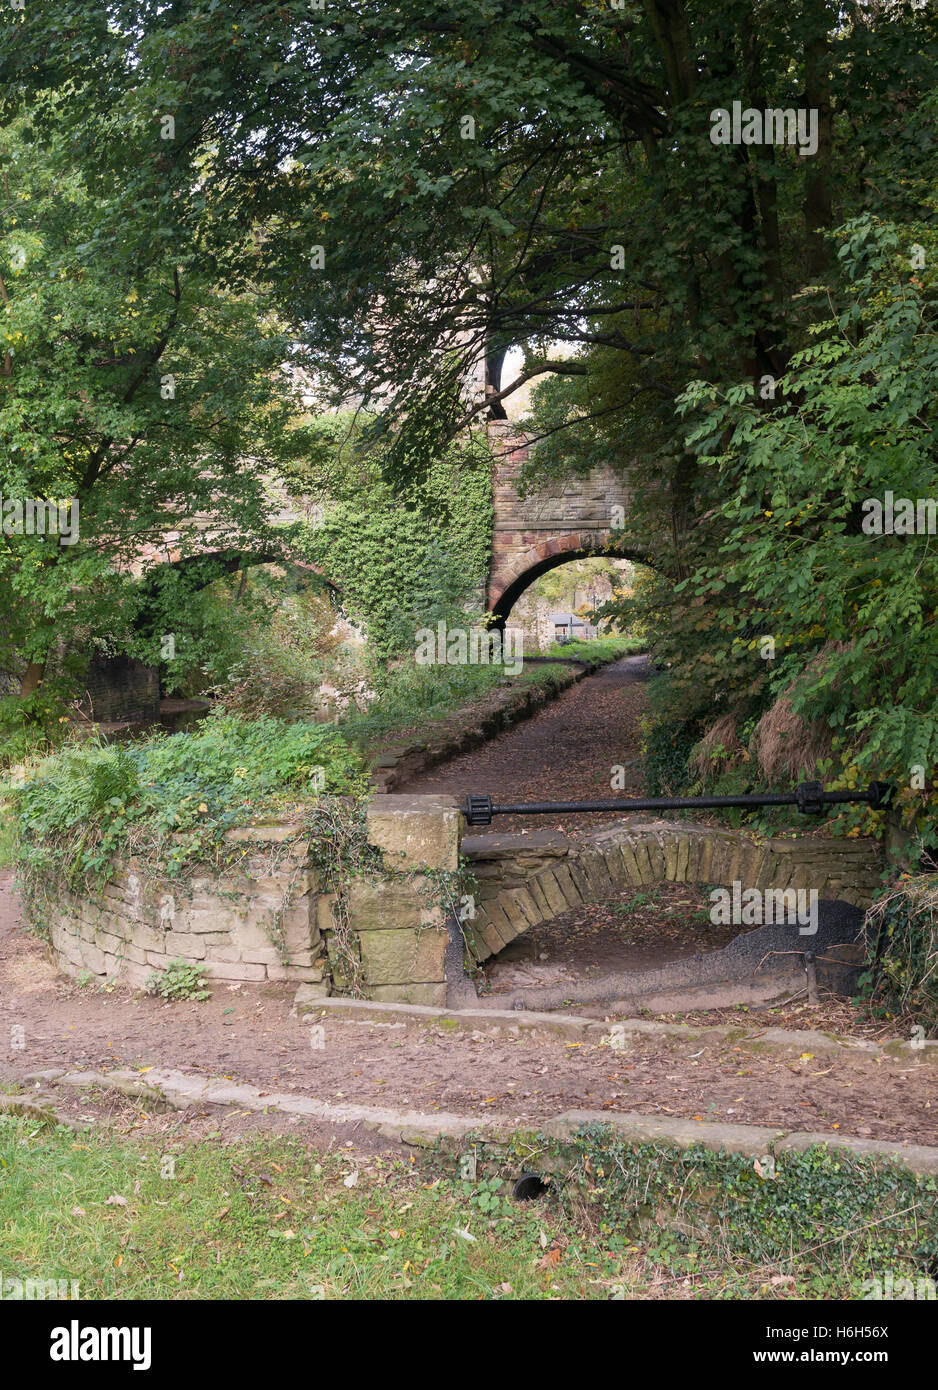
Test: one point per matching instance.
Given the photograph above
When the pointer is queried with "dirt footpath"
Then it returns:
(247, 1033)
(565, 752)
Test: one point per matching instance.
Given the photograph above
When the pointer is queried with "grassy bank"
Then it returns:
(272, 1218)
(267, 1219)
(7, 835)
(598, 648)
(170, 800)
(423, 697)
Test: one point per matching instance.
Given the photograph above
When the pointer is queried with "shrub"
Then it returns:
(169, 800)
(668, 744)
(902, 932)
(180, 980)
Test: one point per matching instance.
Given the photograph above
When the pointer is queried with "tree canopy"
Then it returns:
(409, 186)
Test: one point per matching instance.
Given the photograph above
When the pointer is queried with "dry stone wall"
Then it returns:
(258, 922)
(392, 934)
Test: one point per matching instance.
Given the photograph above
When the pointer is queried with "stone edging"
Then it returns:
(781, 1040)
(181, 1089)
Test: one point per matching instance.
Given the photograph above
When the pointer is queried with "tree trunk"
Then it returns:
(32, 678)
(817, 189)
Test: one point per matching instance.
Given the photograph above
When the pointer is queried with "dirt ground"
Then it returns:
(565, 752)
(636, 930)
(247, 1033)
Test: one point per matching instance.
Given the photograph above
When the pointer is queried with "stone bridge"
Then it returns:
(271, 918)
(530, 535)
(520, 881)
(533, 534)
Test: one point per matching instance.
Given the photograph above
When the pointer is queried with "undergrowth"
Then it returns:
(167, 801)
(828, 1221)
(902, 937)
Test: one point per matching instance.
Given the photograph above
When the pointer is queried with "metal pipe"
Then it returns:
(810, 798)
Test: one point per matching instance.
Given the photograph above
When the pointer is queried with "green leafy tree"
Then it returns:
(432, 183)
(807, 556)
(132, 389)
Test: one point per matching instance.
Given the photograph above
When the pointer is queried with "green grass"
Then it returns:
(266, 1218)
(598, 648)
(271, 1218)
(421, 696)
(415, 696)
(7, 836)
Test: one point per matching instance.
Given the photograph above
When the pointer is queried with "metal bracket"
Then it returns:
(810, 798)
(478, 810)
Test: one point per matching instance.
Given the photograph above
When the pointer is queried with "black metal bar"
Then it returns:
(810, 798)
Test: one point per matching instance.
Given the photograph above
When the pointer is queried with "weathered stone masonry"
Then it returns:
(526, 879)
(272, 920)
(258, 922)
(536, 532)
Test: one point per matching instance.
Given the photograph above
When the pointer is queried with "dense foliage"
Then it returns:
(403, 557)
(133, 389)
(417, 186)
(169, 800)
(851, 1213)
(800, 595)
(902, 935)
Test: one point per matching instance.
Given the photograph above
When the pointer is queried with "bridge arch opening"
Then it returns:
(548, 555)
(260, 587)
(747, 945)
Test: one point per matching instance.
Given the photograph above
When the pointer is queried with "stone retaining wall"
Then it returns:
(270, 919)
(260, 922)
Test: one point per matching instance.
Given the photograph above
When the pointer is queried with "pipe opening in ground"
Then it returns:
(529, 1187)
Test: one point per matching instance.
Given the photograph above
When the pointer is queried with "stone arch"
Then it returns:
(509, 584)
(215, 563)
(206, 566)
(526, 880)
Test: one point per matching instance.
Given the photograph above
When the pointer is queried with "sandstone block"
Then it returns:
(395, 957)
(415, 832)
(236, 970)
(374, 905)
(185, 944)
